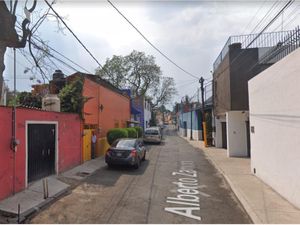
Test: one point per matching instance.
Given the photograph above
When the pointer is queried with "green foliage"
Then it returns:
(26, 99)
(116, 133)
(71, 97)
(137, 71)
(139, 131)
(131, 132)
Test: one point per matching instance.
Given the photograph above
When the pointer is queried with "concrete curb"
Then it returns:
(13, 217)
(29, 212)
(255, 219)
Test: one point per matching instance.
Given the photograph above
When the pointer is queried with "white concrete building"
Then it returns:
(274, 101)
(147, 113)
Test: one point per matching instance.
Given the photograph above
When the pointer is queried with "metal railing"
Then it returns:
(264, 40)
(288, 44)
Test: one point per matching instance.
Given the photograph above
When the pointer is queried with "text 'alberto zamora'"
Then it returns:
(186, 202)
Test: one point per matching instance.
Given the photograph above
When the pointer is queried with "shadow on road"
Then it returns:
(108, 176)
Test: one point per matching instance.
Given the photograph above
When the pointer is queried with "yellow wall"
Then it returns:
(101, 147)
(87, 144)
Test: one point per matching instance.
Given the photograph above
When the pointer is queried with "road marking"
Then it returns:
(187, 192)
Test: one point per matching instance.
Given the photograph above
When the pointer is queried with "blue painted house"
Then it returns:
(190, 119)
(140, 110)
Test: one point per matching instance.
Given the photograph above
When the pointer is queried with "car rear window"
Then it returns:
(151, 132)
(124, 144)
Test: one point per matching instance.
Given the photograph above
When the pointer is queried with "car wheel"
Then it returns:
(137, 165)
(144, 157)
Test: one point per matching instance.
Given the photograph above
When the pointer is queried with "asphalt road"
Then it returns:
(176, 184)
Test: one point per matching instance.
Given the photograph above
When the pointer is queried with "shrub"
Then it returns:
(116, 133)
(132, 133)
(139, 131)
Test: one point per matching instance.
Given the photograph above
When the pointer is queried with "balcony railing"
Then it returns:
(252, 41)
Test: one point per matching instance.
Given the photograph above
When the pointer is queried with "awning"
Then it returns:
(133, 121)
(134, 110)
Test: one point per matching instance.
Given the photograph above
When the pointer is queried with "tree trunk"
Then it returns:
(2, 67)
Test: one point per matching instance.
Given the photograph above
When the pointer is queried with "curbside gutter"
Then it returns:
(255, 219)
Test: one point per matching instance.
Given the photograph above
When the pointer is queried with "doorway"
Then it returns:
(224, 135)
(41, 152)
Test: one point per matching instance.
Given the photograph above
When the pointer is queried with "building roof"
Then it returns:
(263, 40)
(102, 82)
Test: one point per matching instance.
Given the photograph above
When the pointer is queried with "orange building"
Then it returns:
(106, 107)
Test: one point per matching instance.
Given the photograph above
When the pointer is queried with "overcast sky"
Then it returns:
(191, 33)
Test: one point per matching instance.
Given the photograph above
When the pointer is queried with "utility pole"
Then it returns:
(201, 81)
(191, 108)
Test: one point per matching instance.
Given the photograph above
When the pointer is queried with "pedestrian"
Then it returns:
(94, 141)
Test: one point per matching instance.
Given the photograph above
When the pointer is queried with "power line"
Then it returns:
(57, 52)
(149, 42)
(252, 19)
(271, 22)
(61, 19)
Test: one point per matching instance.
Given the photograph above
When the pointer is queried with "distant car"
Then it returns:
(153, 134)
(126, 151)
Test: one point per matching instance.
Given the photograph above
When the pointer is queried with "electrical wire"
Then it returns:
(254, 16)
(150, 43)
(243, 52)
(74, 35)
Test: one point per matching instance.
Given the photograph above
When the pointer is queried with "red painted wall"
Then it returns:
(116, 107)
(69, 144)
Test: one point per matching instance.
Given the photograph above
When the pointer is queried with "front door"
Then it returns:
(248, 139)
(224, 135)
(184, 129)
(41, 151)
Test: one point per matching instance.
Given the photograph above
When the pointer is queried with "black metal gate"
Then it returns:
(41, 151)
(224, 134)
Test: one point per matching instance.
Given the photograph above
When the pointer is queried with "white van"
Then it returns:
(152, 134)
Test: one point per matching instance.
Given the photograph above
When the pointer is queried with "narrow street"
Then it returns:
(158, 192)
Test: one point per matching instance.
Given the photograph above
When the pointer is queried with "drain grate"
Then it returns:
(82, 174)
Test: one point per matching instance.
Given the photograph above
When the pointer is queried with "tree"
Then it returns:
(114, 70)
(141, 75)
(164, 92)
(10, 28)
(71, 97)
(26, 99)
(8, 34)
(135, 71)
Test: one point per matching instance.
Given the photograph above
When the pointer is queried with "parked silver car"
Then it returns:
(153, 134)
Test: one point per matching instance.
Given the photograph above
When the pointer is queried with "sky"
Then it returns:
(191, 33)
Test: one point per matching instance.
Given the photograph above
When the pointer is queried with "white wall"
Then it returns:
(147, 114)
(218, 133)
(236, 133)
(197, 134)
(274, 99)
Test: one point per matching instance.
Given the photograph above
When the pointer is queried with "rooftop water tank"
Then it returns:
(58, 74)
(51, 103)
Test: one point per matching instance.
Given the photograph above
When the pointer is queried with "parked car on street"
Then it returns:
(126, 151)
(153, 134)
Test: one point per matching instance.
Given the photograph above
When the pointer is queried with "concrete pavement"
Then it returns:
(153, 193)
(32, 198)
(261, 202)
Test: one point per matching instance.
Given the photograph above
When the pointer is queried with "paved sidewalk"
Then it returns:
(32, 198)
(261, 202)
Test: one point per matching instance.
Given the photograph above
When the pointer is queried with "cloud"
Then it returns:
(192, 33)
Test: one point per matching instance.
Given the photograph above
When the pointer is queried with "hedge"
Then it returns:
(139, 130)
(116, 133)
(132, 133)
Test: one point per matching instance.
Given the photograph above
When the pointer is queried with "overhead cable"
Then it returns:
(150, 43)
